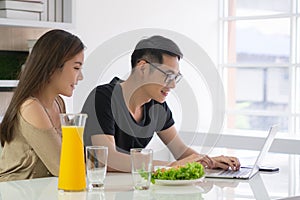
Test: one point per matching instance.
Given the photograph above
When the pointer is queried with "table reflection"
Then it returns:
(72, 195)
(206, 189)
(118, 186)
(95, 195)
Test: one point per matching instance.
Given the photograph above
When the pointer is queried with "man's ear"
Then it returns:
(141, 65)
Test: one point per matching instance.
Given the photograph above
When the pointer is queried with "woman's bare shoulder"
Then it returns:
(33, 112)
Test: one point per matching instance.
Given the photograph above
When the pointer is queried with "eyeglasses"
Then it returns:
(169, 76)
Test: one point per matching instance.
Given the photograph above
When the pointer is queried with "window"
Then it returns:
(260, 63)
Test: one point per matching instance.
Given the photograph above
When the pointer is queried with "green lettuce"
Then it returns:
(189, 171)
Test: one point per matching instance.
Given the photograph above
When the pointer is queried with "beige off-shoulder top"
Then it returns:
(33, 152)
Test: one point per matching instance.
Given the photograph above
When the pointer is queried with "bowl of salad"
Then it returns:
(189, 173)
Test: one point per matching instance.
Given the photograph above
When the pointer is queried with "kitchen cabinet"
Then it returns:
(65, 20)
(35, 24)
(16, 33)
(8, 85)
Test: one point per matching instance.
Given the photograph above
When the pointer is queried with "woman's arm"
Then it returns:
(44, 138)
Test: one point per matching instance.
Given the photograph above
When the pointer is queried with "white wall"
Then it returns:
(98, 22)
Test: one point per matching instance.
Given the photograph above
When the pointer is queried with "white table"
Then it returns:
(119, 186)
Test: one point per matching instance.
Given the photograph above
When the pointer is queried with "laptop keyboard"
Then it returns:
(241, 172)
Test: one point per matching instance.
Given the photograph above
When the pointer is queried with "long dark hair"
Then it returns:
(49, 54)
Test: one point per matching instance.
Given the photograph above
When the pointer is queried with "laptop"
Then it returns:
(246, 172)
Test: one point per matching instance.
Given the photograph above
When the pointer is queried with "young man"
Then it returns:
(125, 114)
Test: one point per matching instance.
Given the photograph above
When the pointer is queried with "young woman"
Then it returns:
(30, 130)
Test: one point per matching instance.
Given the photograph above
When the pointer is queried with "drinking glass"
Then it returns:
(96, 165)
(141, 163)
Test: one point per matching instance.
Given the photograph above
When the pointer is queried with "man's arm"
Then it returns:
(184, 154)
(117, 161)
(181, 152)
(172, 140)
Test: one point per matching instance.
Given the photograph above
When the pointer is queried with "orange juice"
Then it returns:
(72, 165)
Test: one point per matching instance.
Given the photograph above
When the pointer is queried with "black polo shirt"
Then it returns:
(108, 114)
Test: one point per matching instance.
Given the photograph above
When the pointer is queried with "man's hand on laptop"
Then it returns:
(225, 162)
(218, 162)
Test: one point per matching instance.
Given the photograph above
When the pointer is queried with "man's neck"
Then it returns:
(133, 95)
